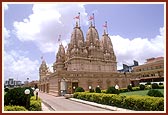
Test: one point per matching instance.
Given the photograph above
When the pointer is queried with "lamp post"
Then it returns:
(90, 87)
(27, 92)
(33, 90)
(36, 90)
(116, 87)
(74, 88)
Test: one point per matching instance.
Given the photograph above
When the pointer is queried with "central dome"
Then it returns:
(92, 35)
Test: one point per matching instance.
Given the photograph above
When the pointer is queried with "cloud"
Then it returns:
(47, 22)
(139, 49)
(6, 7)
(6, 36)
(17, 66)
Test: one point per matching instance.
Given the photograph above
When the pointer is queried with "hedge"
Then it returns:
(134, 102)
(35, 105)
(15, 108)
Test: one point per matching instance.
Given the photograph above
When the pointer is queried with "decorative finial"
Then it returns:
(76, 24)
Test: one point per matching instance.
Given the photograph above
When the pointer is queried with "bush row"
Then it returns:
(134, 102)
(14, 108)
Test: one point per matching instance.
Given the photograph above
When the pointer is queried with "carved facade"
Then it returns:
(85, 63)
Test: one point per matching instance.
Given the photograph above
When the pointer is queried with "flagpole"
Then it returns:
(106, 27)
(93, 20)
(79, 18)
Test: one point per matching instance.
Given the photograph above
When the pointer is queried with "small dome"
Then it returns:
(106, 43)
(61, 54)
(92, 35)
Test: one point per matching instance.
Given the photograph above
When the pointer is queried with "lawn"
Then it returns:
(143, 92)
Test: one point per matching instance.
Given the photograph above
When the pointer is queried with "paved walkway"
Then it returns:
(52, 103)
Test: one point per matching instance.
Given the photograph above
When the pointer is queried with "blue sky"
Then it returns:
(32, 30)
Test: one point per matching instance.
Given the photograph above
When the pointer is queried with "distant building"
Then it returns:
(33, 83)
(151, 71)
(12, 83)
(127, 68)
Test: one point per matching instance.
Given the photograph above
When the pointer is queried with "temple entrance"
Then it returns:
(63, 87)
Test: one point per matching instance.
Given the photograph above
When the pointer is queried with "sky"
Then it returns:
(31, 31)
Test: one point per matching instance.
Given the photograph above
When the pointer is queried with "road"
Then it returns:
(62, 104)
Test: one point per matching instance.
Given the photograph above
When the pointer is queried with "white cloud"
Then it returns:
(139, 49)
(6, 7)
(6, 36)
(20, 67)
(47, 22)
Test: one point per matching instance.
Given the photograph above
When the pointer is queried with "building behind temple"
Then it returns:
(127, 68)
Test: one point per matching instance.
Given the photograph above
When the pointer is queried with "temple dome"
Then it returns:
(61, 54)
(77, 35)
(106, 43)
(92, 35)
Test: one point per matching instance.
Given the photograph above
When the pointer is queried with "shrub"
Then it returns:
(142, 87)
(91, 90)
(112, 90)
(16, 96)
(122, 90)
(154, 93)
(14, 108)
(155, 86)
(135, 88)
(160, 83)
(6, 89)
(148, 83)
(103, 91)
(98, 90)
(129, 87)
(35, 105)
(161, 86)
(134, 102)
(79, 89)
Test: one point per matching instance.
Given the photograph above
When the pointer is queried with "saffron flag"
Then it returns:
(77, 17)
(105, 25)
(91, 18)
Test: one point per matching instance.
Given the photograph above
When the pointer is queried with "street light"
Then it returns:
(27, 92)
(33, 88)
(90, 87)
(117, 87)
(36, 90)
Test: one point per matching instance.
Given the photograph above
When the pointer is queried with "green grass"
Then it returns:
(142, 93)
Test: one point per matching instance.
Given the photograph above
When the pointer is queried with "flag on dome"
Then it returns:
(105, 25)
(91, 17)
(41, 57)
(77, 17)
